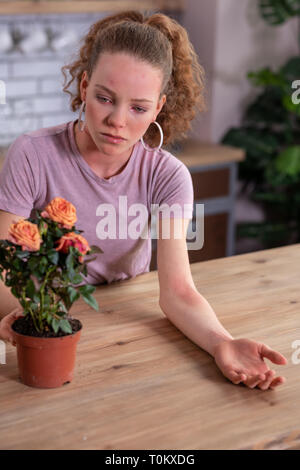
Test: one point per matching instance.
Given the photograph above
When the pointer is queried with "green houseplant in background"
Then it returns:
(270, 135)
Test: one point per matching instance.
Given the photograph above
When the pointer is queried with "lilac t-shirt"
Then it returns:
(114, 213)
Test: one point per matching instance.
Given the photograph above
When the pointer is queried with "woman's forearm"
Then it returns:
(192, 314)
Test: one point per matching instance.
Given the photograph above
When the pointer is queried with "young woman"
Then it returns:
(139, 84)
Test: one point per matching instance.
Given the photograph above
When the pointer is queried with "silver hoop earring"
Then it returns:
(81, 126)
(161, 139)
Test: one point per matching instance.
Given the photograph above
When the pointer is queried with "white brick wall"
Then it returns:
(3, 70)
(34, 81)
(19, 88)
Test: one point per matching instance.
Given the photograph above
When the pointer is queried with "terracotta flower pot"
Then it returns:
(46, 362)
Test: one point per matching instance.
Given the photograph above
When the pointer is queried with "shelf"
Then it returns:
(8, 7)
(195, 154)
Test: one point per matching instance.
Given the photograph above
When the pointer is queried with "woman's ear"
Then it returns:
(160, 105)
(83, 85)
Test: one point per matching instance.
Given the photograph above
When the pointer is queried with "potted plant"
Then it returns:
(269, 133)
(43, 259)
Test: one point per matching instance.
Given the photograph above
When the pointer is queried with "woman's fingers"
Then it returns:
(236, 377)
(274, 356)
(6, 332)
(254, 380)
(266, 383)
(249, 380)
(277, 381)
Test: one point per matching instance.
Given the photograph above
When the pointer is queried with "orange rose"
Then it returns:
(26, 234)
(61, 211)
(73, 239)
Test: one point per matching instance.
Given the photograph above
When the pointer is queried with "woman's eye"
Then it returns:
(140, 110)
(101, 98)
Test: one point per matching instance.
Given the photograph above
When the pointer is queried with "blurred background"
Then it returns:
(243, 152)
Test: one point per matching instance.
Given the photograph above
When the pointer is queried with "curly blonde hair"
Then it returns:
(162, 42)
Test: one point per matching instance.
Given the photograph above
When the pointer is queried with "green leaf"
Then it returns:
(266, 77)
(33, 263)
(73, 294)
(86, 289)
(43, 264)
(61, 314)
(267, 109)
(276, 12)
(261, 230)
(62, 306)
(58, 232)
(273, 198)
(90, 300)
(22, 254)
(34, 306)
(255, 142)
(290, 106)
(75, 278)
(55, 325)
(291, 70)
(84, 270)
(14, 292)
(65, 326)
(30, 289)
(70, 261)
(53, 256)
(47, 301)
(17, 264)
(95, 249)
(273, 177)
(288, 161)
(86, 261)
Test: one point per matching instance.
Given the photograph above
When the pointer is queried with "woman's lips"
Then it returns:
(113, 139)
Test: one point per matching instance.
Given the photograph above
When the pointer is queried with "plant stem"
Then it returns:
(42, 290)
(29, 309)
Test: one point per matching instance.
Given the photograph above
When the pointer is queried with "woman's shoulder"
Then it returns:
(161, 158)
(40, 137)
(47, 131)
(32, 145)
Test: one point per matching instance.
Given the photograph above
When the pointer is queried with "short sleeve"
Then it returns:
(173, 192)
(19, 178)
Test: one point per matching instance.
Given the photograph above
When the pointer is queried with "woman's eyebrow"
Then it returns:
(113, 93)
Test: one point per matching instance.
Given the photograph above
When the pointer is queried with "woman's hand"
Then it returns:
(241, 360)
(6, 333)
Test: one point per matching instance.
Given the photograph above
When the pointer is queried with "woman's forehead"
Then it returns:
(121, 71)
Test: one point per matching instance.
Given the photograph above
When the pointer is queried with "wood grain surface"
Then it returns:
(141, 384)
(195, 153)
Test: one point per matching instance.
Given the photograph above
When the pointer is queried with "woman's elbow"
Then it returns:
(184, 292)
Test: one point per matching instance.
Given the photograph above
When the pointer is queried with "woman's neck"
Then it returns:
(102, 165)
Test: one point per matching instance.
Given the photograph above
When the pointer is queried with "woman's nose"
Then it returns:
(117, 117)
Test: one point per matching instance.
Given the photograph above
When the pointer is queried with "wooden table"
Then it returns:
(141, 384)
